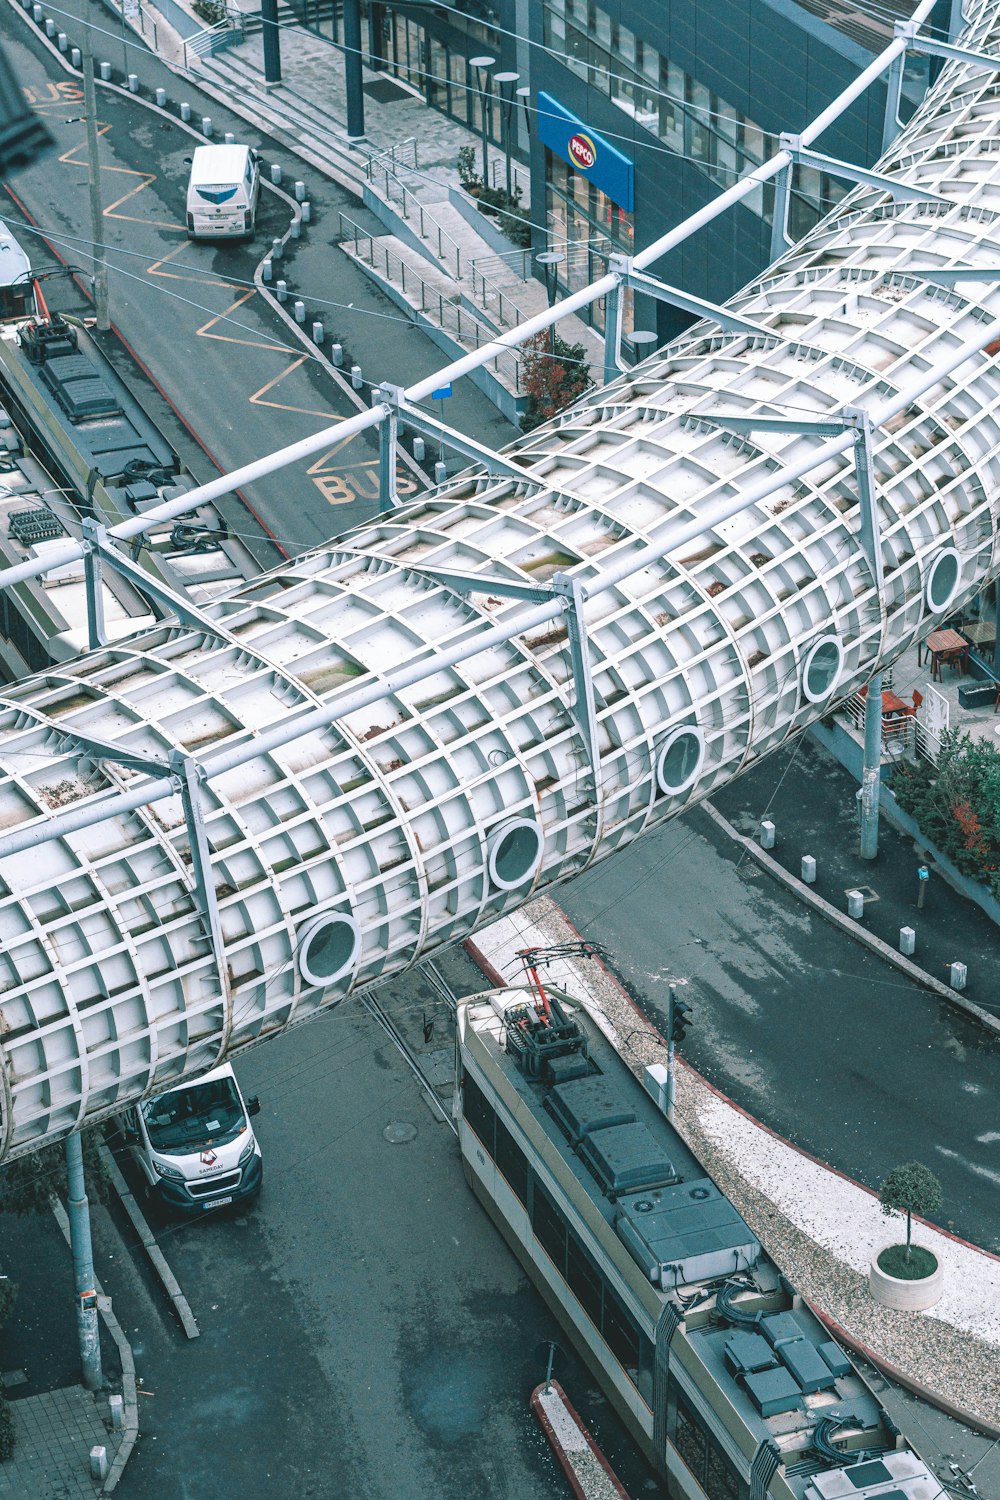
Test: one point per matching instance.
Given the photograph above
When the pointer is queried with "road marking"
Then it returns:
(346, 484)
(69, 158)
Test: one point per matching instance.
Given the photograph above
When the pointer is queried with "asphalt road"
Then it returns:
(364, 1329)
(827, 1044)
(213, 344)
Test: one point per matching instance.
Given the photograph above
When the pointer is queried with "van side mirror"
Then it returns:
(253, 1106)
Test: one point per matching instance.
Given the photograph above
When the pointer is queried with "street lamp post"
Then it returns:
(549, 260)
(93, 180)
(507, 109)
(482, 66)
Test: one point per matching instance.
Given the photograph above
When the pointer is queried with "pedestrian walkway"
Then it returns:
(820, 1227)
(439, 262)
(812, 802)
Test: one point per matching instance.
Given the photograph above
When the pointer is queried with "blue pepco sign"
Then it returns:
(587, 151)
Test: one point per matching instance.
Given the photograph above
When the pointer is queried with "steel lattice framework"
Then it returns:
(225, 825)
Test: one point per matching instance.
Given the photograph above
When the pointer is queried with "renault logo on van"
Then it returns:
(582, 151)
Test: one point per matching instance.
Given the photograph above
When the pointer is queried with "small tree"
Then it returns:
(467, 174)
(553, 377)
(910, 1189)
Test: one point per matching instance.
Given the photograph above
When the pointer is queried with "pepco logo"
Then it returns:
(582, 151)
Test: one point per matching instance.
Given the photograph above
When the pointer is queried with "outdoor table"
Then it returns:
(946, 646)
(980, 632)
(893, 707)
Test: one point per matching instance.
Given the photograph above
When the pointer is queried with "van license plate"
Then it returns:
(217, 1202)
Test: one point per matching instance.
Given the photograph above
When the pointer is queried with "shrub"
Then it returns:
(467, 174)
(553, 377)
(507, 209)
(210, 11)
(893, 1262)
(956, 804)
(910, 1189)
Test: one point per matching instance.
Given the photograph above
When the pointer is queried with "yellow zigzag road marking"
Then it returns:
(69, 158)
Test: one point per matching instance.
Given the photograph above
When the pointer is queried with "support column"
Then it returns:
(388, 499)
(271, 37)
(893, 90)
(779, 238)
(613, 333)
(93, 534)
(870, 781)
(353, 73)
(83, 1266)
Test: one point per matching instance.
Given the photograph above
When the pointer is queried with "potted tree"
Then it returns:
(907, 1277)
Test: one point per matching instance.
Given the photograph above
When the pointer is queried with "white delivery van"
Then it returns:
(194, 1145)
(223, 190)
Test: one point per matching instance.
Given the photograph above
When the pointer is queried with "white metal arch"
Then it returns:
(503, 663)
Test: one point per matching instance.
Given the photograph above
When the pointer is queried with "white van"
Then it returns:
(194, 1145)
(223, 190)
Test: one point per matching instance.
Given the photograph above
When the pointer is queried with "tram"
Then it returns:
(728, 1382)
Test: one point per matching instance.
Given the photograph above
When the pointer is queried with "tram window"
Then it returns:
(690, 1441)
(621, 1333)
(584, 1280)
(478, 1112)
(721, 1483)
(549, 1227)
(512, 1162)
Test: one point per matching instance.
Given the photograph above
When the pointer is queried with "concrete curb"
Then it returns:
(158, 1260)
(840, 919)
(573, 1445)
(130, 1401)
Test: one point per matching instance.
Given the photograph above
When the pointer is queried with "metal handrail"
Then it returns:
(391, 153)
(203, 42)
(424, 217)
(451, 316)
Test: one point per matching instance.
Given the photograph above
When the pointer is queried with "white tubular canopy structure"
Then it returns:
(210, 833)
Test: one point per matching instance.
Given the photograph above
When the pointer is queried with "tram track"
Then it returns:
(381, 1016)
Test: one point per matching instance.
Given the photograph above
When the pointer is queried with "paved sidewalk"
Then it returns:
(811, 800)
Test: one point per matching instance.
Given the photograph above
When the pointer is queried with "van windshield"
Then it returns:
(189, 1118)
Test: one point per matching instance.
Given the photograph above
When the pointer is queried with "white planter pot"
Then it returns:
(904, 1296)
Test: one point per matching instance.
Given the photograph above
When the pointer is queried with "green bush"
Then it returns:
(554, 374)
(467, 174)
(921, 1263)
(209, 11)
(507, 210)
(956, 804)
(910, 1189)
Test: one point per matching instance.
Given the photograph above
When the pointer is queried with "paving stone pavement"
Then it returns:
(55, 1433)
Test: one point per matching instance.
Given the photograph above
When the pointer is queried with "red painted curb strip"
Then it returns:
(564, 1460)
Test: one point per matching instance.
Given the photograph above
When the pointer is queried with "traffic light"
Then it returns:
(679, 1020)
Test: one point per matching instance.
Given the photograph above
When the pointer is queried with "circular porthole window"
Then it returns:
(822, 667)
(679, 760)
(943, 579)
(514, 851)
(328, 947)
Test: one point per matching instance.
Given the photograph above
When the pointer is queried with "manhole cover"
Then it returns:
(399, 1131)
(384, 91)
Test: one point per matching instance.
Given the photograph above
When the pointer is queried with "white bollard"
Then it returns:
(133, 83)
(957, 975)
(276, 248)
(275, 174)
(419, 449)
(356, 378)
(266, 269)
(295, 229)
(99, 1462)
(161, 97)
(318, 333)
(307, 211)
(300, 191)
(38, 13)
(767, 834)
(62, 41)
(117, 1406)
(75, 56)
(337, 354)
(440, 472)
(185, 112)
(855, 905)
(907, 941)
(206, 126)
(808, 869)
(50, 26)
(281, 287)
(300, 312)
(230, 138)
(105, 72)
